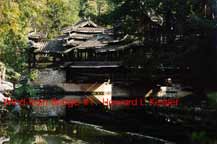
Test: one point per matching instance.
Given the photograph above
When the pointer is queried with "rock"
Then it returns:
(4, 139)
(5, 86)
(3, 98)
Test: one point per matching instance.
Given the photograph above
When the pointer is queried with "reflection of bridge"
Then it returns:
(74, 94)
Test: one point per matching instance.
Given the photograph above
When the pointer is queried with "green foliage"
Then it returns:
(179, 14)
(212, 99)
(13, 38)
(25, 91)
(13, 50)
(202, 137)
(18, 18)
(97, 10)
(12, 75)
(60, 13)
(33, 75)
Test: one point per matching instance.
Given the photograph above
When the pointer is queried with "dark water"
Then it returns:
(52, 131)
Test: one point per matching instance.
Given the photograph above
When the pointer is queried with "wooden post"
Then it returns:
(86, 54)
(0, 74)
(3, 74)
(34, 60)
(29, 61)
(79, 55)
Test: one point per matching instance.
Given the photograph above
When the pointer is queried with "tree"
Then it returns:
(96, 9)
(13, 34)
(60, 13)
(18, 18)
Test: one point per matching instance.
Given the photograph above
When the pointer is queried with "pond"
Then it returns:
(53, 131)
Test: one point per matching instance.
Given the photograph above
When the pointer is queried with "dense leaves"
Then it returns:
(180, 15)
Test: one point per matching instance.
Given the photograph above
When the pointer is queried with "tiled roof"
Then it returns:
(118, 46)
(82, 25)
(85, 34)
(53, 46)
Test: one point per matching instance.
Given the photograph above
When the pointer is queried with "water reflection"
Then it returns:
(52, 131)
